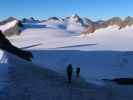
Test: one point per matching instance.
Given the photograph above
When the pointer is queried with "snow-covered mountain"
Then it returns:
(54, 22)
(74, 19)
(127, 22)
(11, 26)
(115, 21)
(72, 24)
(30, 20)
(76, 24)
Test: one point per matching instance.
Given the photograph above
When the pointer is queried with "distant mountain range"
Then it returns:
(89, 25)
(72, 23)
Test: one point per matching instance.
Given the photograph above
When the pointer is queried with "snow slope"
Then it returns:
(22, 80)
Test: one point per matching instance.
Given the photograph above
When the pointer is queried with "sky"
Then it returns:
(42, 9)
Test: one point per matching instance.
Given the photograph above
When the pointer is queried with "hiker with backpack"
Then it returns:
(78, 72)
(69, 73)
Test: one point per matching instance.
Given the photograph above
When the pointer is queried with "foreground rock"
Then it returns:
(6, 45)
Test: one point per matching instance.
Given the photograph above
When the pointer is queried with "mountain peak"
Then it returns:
(75, 16)
(53, 18)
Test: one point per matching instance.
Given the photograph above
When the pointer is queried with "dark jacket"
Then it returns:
(69, 69)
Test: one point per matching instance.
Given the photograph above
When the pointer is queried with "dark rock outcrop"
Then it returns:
(121, 81)
(114, 21)
(89, 26)
(92, 26)
(127, 22)
(30, 20)
(53, 18)
(6, 45)
(100, 24)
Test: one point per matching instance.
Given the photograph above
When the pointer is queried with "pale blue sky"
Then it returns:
(94, 9)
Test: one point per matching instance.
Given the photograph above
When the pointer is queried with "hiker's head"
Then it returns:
(70, 66)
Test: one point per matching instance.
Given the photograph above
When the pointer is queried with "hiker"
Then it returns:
(6, 45)
(69, 72)
(78, 72)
